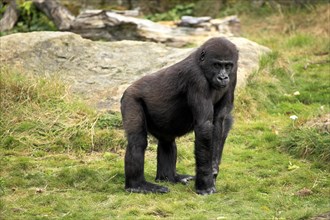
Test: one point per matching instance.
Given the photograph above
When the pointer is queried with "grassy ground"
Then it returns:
(61, 160)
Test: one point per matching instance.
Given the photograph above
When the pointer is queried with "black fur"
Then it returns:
(195, 94)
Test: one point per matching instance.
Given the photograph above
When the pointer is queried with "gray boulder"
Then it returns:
(99, 72)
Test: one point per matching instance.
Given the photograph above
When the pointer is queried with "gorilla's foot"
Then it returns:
(178, 178)
(208, 191)
(146, 187)
(184, 179)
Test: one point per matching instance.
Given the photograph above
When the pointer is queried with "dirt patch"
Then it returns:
(321, 123)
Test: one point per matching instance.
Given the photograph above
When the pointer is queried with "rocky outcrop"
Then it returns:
(118, 25)
(100, 71)
(112, 26)
(10, 17)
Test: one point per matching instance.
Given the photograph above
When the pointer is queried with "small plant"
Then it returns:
(109, 120)
(2, 9)
(30, 19)
(307, 143)
(174, 14)
(33, 20)
(2, 186)
(300, 40)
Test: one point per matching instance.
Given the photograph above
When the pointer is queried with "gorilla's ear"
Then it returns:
(202, 56)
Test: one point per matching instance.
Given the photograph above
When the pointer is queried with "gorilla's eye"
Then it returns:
(228, 66)
(217, 65)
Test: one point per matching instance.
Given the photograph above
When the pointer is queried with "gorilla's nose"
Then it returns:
(221, 77)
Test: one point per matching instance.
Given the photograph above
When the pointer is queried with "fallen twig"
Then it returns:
(315, 63)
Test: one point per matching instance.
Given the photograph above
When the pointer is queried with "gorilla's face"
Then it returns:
(221, 73)
(218, 72)
(217, 62)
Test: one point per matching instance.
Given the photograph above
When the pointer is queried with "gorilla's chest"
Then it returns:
(217, 95)
(171, 119)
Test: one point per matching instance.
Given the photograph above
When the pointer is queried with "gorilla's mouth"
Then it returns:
(220, 84)
(218, 87)
(224, 83)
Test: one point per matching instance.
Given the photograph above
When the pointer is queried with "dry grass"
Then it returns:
(41, 114)
(312, 21)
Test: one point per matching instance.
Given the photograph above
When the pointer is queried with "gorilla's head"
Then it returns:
(217, 59)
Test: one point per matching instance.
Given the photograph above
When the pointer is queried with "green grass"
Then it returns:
(60, 159)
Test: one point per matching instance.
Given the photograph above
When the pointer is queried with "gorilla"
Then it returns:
(195, 94)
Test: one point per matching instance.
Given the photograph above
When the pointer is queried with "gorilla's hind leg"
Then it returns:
(134, 167)
(135, 127)
(166, 163)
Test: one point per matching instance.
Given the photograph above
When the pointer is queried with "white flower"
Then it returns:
(293, 117)
(296, 93)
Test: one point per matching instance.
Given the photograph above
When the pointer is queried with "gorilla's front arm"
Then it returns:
(222, 124)
(203, 128)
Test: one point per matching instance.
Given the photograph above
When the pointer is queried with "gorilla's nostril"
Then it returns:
(220, 78)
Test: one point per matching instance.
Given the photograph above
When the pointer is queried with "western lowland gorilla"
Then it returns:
(195, 94)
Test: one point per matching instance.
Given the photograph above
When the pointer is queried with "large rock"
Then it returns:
(100, 71)
(115, 25)
(111, 26)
